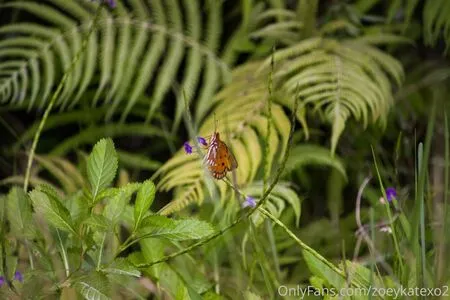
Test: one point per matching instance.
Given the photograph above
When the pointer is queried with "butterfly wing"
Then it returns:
(219, 159)
(231, 160)
(215, 162)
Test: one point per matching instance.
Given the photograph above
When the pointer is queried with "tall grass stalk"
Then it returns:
(419, 213)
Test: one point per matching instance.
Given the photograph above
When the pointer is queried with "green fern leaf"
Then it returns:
(152, 28)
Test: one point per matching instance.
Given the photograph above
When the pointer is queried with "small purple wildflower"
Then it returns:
(202, 141)
(391, 193)
(18, 276)
(2, 280)
(111, 3)
(249, 202)
(187, 148)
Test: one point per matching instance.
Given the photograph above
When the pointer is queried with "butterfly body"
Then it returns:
(219, 159)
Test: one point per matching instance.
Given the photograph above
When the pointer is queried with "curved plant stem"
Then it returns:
(302, 244)
(55, 97)
(269, 123)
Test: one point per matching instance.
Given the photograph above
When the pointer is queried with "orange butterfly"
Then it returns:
(219, 158)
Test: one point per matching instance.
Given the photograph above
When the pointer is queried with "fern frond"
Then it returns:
(341, 79)
(151, 28)
(436, 22)
(93, 134)
(212, 75)
(276, 201)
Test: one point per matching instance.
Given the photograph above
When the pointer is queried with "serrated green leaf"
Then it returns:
(122, 266)
(116, 206)
(52, 210)
(128, 189)
(18, 210)
(98, 222)
(117, 199)
(94, 286)
(101, 166)
(144, 200)
(152, 250)
(176, 230)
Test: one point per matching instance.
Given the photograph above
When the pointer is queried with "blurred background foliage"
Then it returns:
(365, 73)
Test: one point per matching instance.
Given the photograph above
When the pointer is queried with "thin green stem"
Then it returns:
(269, 124)
(54, 98)
(304, 246)
(63, 254)
(100, 252)
(273, 248)
(423, 158)
(388, 210)
(372, 254)
(422, 218)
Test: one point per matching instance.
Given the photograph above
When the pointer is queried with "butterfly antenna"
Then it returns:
(215, 123)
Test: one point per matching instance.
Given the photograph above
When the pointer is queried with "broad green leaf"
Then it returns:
(18, 210)
(52, 210)
(361, 275)
(193, 295)
(152, 250)
(129, 189)
(322, 270)
(122, 266)
(144, 200)
(119, 198)
(193, 277)
(98, 222)
(94, 286)
(101, 166)
(181, 291)
(211, 295)
(177, 230)
(78, 206)
(115, 206)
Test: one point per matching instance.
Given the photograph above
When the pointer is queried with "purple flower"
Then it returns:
(202, 141)
(187, 148)
(391, 193)
(18, 276)
(2, 280)
(249, 202)
(111, 3)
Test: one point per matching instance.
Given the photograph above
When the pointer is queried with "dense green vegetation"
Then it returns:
(335, 112)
